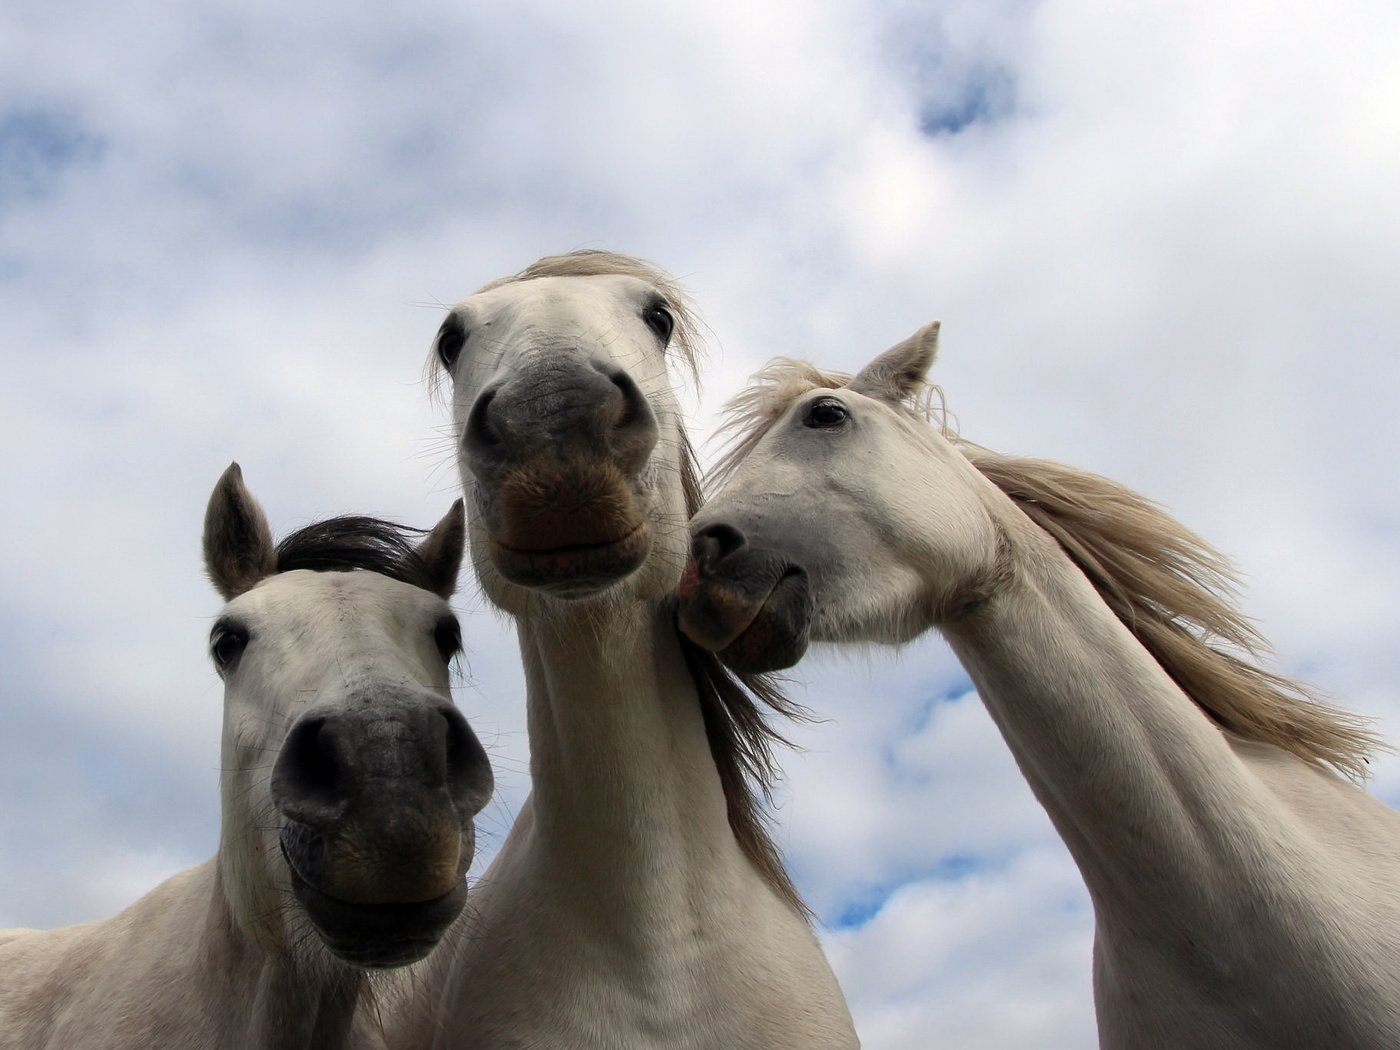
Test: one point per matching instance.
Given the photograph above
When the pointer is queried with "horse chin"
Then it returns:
(576, 571)
(750, 631)
(378, 936)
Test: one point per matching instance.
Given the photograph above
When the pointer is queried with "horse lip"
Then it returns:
(382, 935)
(719, 617)
(776, 636)
(710, 614)
(295, 828)
(384, 908)
(577, 571)
(548, 552)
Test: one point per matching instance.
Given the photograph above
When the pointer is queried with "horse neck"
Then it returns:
(285, 996)
(625, 793)
(1138, 781)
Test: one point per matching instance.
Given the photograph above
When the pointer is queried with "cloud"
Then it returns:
(907, 969)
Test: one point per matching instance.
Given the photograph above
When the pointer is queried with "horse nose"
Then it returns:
(333, 763)
(713, 543)
(562, 404)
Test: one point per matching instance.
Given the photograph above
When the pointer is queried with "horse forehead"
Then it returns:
(794, 462)
(559, 299)
(355, 596)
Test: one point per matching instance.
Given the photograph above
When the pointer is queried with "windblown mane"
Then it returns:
(357, 542)
(1168, 586)
(732, 705)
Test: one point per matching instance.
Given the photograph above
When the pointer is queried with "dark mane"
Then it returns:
(352, 542)
(741, 740)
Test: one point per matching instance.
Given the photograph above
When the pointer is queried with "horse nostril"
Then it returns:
(308, 777)
(482, 437)
(631, 424)
(469, 778)
(714, 543)
(634, 409)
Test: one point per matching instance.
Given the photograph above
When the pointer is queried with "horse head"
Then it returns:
(842, 516)
(350, 781)
(569, 442)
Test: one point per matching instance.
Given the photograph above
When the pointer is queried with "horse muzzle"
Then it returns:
(377, 795)
(751, 607)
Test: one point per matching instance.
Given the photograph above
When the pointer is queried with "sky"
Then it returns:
(1163, 239)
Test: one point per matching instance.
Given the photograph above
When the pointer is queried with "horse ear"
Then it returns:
(441, 550)
(238, 549)
(900, 370)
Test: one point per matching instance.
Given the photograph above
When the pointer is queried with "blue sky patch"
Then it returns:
(37, 148)
(986, 95)
(950, 868)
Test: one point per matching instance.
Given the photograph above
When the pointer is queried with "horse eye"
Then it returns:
(447, 635)
(826, 414)
(660, 320)
(226, 646)
(451, 337)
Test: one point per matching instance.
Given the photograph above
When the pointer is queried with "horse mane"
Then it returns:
(741, 740)
(352, 542)
(732, 705)
(1176, 593)
(1170, 588)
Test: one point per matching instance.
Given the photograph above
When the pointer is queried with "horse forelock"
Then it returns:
(1176, 594)
(351, 542)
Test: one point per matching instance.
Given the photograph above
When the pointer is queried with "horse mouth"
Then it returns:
(751, 626)
(379, 935)
(575, 570)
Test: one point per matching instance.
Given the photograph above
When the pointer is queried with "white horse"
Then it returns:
(638, 900)
(349, 787)
(1245, 895)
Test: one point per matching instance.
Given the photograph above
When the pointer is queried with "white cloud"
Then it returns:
(992, 959)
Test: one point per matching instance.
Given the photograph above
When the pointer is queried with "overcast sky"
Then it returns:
(1163, 239)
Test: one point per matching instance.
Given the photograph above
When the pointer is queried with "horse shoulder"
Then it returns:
(1354, 835)
(64, 987)
(6, 936)
(1310, 888)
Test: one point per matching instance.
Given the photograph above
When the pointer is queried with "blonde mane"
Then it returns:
(1168, 586)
